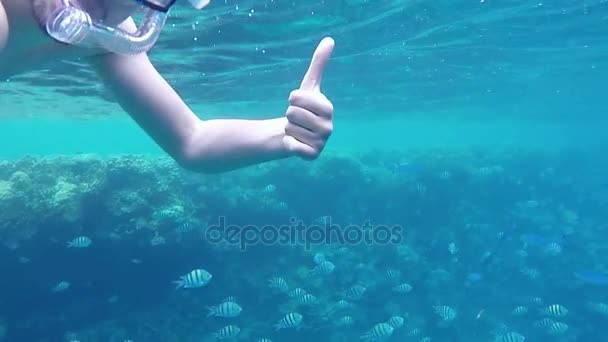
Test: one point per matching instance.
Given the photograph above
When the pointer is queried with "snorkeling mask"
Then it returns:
(71, 25)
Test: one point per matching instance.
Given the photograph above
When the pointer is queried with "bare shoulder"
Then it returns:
(3, 27)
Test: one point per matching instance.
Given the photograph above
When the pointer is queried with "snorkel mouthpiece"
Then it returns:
(74, 26)
(71, 25)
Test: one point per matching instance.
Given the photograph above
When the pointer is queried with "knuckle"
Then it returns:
(291, 113)
(295, 95)
(324, 130)
(289, 129)
(329, 107)
(325, 105)
(311, 154)
(327, 129)
(315, 154)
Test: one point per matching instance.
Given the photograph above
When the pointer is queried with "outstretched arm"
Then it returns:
(219, 145)
(199, 145)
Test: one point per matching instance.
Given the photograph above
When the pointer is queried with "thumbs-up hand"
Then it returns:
(310, 113)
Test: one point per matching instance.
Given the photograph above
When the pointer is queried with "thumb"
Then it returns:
(312, 79)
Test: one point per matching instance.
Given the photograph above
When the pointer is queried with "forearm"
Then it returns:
(198, 145)
(224, 144)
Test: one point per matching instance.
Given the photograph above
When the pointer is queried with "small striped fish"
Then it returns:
(393, 274)
(553, 249)
(520, 310)
(346, 321)
(403, 288)
(414, 332)
(536, 300)
(544, 323)
(196, 278)
(291, 320)
(62, 286)
(270, 188)
(278, 283)
(396, 321)
(511, 337)
(343, 304)
(308, 299)
(555, 310)
(600, 308)
(229, 299)
(263, 340)
(225, 309)
(531, 273)
(297, 292)
(80, 242)
(324, 268)
(228, 331)
(380, 331)
(356, 292)
(445, 312)
(558, 328)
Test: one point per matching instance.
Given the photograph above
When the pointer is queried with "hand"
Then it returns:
(310, 113)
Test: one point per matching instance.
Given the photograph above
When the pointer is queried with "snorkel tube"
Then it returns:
(71, 25)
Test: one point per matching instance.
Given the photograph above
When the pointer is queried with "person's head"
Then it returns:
(94, 22)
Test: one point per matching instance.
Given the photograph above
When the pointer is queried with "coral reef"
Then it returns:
(458, 214)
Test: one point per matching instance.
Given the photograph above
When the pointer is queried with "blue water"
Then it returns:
(471, 132)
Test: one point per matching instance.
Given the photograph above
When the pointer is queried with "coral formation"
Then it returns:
(452, 209)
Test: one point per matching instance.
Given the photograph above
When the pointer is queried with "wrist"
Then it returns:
(275, 131)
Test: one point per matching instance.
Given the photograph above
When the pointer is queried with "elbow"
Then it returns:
(191, 163)
(189, 160)
(201, 154)
(188, 155)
